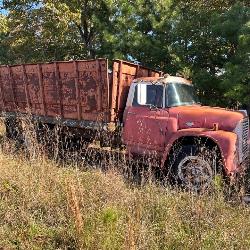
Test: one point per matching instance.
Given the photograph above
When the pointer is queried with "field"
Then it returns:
(49, 205)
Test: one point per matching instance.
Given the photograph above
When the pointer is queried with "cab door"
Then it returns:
(145, 120)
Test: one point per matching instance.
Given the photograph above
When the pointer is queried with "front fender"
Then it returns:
(226, 142)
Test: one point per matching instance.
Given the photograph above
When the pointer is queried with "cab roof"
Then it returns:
(167, 79)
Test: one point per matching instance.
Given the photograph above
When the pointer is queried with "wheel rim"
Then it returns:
(195, 173)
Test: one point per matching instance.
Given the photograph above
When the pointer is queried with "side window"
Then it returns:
(146, 94)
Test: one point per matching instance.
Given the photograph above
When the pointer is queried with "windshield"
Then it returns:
(178, 94)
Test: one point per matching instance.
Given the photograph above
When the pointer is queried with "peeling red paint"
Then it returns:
(80, 90)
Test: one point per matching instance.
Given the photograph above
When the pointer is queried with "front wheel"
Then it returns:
(195, 168)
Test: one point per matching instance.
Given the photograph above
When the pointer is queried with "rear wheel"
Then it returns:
(13, 128)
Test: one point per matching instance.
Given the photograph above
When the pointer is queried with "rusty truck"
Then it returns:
(158, 114)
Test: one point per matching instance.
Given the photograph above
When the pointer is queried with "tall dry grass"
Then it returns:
(50, 204)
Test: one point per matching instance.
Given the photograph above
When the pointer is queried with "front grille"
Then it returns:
(242, 130)
(245, 131)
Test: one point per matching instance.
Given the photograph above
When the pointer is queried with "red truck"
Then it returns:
(158, 115)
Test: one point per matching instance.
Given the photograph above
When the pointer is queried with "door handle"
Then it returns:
(161, 131)
(131, 113)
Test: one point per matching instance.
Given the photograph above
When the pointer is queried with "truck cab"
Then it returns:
(193, 143)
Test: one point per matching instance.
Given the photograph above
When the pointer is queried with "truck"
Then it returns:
(158, 115)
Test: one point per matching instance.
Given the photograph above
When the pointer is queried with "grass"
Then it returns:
(44, 205)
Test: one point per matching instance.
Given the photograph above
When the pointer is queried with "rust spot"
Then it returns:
(73, 89)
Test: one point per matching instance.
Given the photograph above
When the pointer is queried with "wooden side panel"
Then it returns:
(67, 90)
(2, 102)
(18, 87)
(7, 89)
(76, 90)
(51, 91)
(34, 89)
(93, 90)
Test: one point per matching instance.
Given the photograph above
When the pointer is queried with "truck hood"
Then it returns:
(196, 116)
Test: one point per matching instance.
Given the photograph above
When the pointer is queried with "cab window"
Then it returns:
(148, 94)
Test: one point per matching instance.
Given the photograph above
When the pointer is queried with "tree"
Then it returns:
(207, 41)
(234, 27)
(57, 30)
(3, 34)
(200, 39)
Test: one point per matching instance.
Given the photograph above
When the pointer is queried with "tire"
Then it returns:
(13, 129)
(195, 168)
(30, 141)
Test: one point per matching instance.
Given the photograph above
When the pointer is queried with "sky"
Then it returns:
(5, 12)
(2, 11)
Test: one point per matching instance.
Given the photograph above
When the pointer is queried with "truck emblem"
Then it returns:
(189, 124)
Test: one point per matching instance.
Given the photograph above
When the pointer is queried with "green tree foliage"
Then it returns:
(4, 49)
(57, 30)
(207, 41)
(234, 27)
